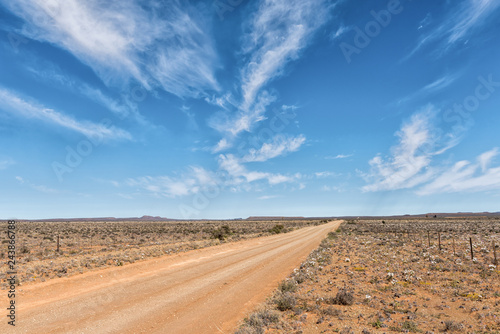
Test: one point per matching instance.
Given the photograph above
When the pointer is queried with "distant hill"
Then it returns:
(105, 219)
(263, 218)
(273, 218)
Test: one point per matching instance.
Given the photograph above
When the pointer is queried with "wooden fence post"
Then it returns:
(454, 253)
(495, 261)
(471, 250)
(57, 250)
(429, 238)
(439, 238)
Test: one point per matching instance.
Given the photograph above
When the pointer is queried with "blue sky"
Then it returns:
(229, 108)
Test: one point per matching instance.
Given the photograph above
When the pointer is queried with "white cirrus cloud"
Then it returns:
(122, 107)
(326, 174)
(37, 187)
(459, 24)
(279, 145)
(339, 156)
(191, 182)
(465, 176)
(168, 46)
(232, 124)
(239, 174)
(278, 31)
(222, 145)
(21, 107)
(266, 197)
(410, 162)
(433, 87)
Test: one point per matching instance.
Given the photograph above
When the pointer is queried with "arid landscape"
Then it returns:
(392, 275)
(89, 245)
(249, 167)
(368, 275)
(204, 290)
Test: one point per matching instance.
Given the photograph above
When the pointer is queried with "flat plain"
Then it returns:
(204, 290)
(392, 276)
(91, 245)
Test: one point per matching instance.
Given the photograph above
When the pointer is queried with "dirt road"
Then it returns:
(203, 291)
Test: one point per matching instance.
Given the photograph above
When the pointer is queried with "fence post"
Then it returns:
(471, 250)
(439, 238)
(494, 253)
(57, 250)
(454, 253)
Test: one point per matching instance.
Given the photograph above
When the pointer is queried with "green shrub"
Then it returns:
(277, 229)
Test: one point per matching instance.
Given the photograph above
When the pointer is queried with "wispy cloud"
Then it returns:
(222, 145)
(409, 163)
(168, 47)
(189, 183)
(279, 30)
(232, 174)
(331, 188)
(277, 33)
(342, 29)
(474, 13)
(339, 156)
(19, 106)
(6, 163)
(433, 87)
(266, 197)
(232, 124)
(425, 21)
(459, 24)
(239, 174)
(36, 187)
(326, 174)
(122, 107)
(465, 176)
(279, 145)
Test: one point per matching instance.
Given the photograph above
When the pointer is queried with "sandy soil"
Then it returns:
(202, 291)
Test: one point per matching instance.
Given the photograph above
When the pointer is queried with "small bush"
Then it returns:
(451, 326)
(409, 325)
(343, 297)
(263, 318)
(288, 286)
(331, 311)
(285, 301)
(221, 233)
(277, 229)
(332, 235)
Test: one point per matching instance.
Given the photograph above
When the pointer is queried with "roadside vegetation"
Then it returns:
(85, 246)
(392, 276)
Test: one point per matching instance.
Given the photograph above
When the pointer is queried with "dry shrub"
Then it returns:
(285, 301)
(343, 297)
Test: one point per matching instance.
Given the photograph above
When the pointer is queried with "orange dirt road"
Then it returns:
(202, 291)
